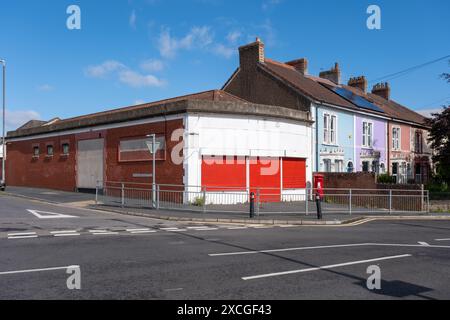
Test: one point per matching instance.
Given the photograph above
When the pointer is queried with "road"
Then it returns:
(124, 257)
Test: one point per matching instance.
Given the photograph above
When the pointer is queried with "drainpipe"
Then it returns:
(317, 138)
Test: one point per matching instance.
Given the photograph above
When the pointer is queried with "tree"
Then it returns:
(439, 138)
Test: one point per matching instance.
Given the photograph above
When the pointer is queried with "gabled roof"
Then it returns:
(305, 85)
(32, 124)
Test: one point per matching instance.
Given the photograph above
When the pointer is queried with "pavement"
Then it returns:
(81, 200)
(129, 257)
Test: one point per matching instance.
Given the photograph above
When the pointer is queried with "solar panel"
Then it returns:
(356, 99)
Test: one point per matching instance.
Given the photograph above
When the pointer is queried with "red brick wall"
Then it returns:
(59, 172)
(166, 171)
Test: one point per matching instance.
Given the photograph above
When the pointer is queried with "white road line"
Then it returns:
(199, 227)
(142, 231)
(237, 228)
(324, 267)
(22, 237)
(22, 234)
(286, 249)
(206, 229)
(49, 215)
(288, 226)
(168, 229)
(66, 234)
(447, 239)
(423, 243)
(37, 270)
(133, 230)
(262, 227)
(104, 233)
(100, 230)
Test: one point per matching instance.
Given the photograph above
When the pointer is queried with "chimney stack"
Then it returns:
(301, 65)
(333, 75)
(251, 54)
(382, 89)
(358, 82)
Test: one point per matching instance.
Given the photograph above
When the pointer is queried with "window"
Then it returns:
(327, 165)
(367, 134)
(418, 142)
(140, 149)
(338, 165)
(49, 150)
(375, 166)
(365, 166)
(36, 151)
(65, 148)
(329, 129)
(396, 138)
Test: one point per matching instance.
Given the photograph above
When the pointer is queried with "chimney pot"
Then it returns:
(301, 65)
(358, 82)
(382, 89)
(334, 74)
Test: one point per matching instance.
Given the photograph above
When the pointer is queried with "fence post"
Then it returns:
(422, 207)
(204, 199)
(257, 202)
(428, 201)
(390, 201)
(350, 201)
(306, 200)
(157, 196)
(122, 189)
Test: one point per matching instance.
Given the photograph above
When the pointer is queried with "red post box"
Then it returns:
(318, 184)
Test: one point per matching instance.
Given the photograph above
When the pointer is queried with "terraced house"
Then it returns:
(354, 130)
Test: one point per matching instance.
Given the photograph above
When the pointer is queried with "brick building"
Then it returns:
(211, 139)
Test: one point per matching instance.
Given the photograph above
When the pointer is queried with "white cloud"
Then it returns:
(45, 88)
(267, 4)
(428, 112)
(132, 20)
(104, 69)
(152, 65)
(123, 74)
(198, 37)
(17, 118)
(224, 50)
(138, 80)
(233, 36)
(139, 101)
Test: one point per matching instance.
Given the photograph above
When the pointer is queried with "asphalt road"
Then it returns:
(123, 257)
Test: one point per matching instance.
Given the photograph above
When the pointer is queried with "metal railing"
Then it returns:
(267, 200)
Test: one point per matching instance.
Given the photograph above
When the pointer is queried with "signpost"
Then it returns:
(152, 149)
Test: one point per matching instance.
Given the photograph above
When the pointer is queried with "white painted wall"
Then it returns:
(212, 134)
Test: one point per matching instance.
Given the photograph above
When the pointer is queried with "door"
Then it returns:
(265, 175)
(90, 163)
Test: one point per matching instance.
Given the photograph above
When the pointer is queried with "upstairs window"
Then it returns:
(65, 148)
(36, 151)
(367, 134)
(329, 129)
(396, 138)
(418, 142)
(49, 150)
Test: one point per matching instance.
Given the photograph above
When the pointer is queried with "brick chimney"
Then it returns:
(358, 82)
(382, 89)
(301, 65)
(334, 74)
(251, 54)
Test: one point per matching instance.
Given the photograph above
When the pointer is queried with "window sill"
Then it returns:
(330, 144)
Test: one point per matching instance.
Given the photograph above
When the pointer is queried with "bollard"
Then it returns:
(319, 207)
(252, 205)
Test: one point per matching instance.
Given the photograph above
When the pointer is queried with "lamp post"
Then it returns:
(3, 180)
(153, 136)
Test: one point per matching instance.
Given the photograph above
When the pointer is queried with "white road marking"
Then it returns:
(103, 233)
(99, 230)
(423, 243)
(199, 227)
(330, 246)
(49, 215)
(275, 274)
(287, 225)
(168, 229)
(22, 237)
(135, 230)
(447, 239)
(175, 289)
(22, 234)
(262, 227)
(64, 232)
(286, 249)
(37, 270)
(143, 231)
(237, 228)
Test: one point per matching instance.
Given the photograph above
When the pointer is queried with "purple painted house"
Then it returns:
(370, 144)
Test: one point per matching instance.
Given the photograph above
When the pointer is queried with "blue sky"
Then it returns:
(131, 51)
